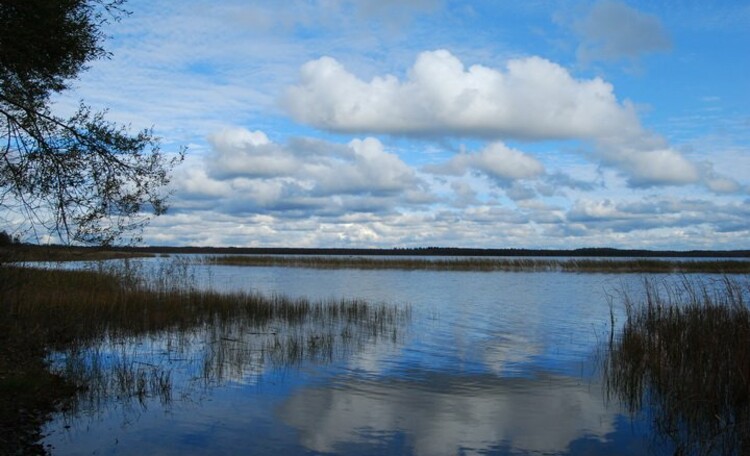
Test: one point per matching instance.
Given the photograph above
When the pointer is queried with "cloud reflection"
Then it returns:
(449, 414)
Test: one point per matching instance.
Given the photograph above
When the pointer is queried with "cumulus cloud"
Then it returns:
(245, 173)
(647, 161)
(532, 98)
(362, 166)
(716, 182)
(559, 180)
(497, 161)
(613, 30)
(653, 213)
(519, 192)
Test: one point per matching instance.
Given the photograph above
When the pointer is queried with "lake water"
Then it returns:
(487, 363)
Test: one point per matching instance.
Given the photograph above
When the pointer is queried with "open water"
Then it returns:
(488, 363)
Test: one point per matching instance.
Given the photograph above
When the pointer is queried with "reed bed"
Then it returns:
(63, 331)
(62, 307)
(683, 358)
(21, 253)
(586, 265)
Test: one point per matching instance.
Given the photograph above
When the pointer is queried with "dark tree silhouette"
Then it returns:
(82, 178)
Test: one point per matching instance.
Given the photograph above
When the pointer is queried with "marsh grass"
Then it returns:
(67, 307)
(683, 358)
(587, 265)
(23, 253)
(119, 333)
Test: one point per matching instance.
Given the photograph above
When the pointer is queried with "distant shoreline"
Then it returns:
(488, 264)
(424, 251)
(445, 251)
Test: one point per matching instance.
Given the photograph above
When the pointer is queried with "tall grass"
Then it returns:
(19, 253)
(63, 307)
(80, 322)
(683, 358)
(641, 265)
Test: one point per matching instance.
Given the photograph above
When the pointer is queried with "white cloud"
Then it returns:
(241, 153)
(649, 164)
(532, 98)
(681, 216)
(496, 160)
(613, 30)
(320, 168)
(716, 182)
(245, 174)
(638, 221)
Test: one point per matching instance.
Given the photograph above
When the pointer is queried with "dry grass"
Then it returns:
(683, 357)
(77, 313)
(62, 307)
(615, 266)
(22, 253)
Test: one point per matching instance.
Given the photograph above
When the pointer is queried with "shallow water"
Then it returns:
(488, 363)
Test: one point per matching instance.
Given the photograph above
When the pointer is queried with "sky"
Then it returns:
(414, 123)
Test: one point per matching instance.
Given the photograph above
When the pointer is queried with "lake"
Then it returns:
(485, 363)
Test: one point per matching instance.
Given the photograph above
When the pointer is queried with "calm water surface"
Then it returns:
(489, 363)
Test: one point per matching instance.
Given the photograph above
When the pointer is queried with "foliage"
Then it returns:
(82, 177)
(6, 239)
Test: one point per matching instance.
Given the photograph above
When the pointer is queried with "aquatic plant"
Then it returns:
(81, 320)
(63, 307)
(683, 358)
(637, 265)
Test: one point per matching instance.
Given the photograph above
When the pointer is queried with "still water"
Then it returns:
(487, 363)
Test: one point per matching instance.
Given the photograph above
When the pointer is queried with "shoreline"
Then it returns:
(33, 252)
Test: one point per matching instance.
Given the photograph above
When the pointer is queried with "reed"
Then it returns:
(58, 327)
(23, 253)
(618, 266)
(62, 307)
(683, 359)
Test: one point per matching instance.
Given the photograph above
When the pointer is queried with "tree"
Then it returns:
(6, 239)
(83, 178)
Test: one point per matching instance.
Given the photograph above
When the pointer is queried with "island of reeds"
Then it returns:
(683, 359)
(488, 264)
(57, 328)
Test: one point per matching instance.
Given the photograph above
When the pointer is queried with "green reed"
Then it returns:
(683, 358)
(588, 265)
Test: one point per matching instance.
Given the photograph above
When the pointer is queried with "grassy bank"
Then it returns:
(683, 358)
(488, 264)
(75, 313)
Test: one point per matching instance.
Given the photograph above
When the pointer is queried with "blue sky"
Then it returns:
(384, 123)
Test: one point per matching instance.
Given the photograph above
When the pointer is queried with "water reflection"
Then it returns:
(491, 363)
(450, 414)
(188, 361)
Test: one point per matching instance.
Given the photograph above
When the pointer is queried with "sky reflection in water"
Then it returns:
(491, 363)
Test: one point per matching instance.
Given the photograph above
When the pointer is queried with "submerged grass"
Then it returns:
(683, 358)
(589, 265)
(79, 320)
